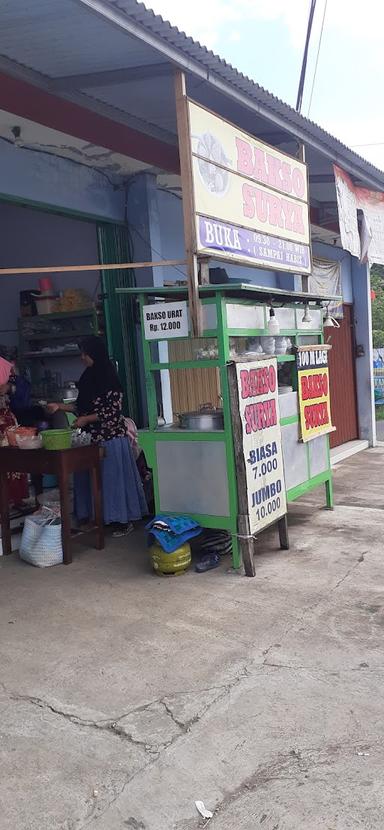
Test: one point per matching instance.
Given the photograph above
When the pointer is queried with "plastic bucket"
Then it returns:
(56, 439)
(49, 482)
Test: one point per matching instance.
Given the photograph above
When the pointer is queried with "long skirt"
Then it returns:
(122, 490)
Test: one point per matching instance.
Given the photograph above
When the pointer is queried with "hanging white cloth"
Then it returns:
(325, 279)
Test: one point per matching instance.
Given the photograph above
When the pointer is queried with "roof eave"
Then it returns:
(180, 59)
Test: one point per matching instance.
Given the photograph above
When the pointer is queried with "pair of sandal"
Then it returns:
(123, 530)
(207, 562)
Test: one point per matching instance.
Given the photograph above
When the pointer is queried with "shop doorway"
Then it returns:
(119, 313)
(42, 237)
(343, 381)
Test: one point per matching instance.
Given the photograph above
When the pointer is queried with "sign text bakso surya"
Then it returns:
(251, 200)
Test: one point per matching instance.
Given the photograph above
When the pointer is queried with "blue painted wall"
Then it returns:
(38, 177)
(171, 226)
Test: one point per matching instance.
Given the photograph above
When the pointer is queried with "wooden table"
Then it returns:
(60, 463)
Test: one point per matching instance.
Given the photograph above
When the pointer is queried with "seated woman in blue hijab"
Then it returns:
(99, 412)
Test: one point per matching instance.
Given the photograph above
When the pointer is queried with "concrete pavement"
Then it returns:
(124, 697)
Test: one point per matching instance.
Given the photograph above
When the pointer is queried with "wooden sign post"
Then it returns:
(258, 454)
(183, 130)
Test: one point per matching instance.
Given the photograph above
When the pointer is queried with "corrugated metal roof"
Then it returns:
(156, 101)
(64, 38)
(246, 86)
(57, 38)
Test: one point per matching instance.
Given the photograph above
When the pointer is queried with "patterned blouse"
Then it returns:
(110, 423)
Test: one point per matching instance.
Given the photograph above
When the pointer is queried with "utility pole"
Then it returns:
(300, 91)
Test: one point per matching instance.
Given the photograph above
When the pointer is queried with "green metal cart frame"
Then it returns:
(220, 296)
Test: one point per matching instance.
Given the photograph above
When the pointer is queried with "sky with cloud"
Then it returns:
(265, 40)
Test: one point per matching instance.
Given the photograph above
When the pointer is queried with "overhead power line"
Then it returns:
(370, 144)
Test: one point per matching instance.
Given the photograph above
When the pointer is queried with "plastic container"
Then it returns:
(281, 345)
(45, 285)
(13, 433)
(27, 303)
(268, 344)
(45, 305)
(170, 563)
(29, 442)
(80, 438)
(56, 439)
(49, 482)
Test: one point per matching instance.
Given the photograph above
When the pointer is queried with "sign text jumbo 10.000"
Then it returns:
(259, 413)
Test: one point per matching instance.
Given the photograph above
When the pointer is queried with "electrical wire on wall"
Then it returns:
(124, 185)
(43, 152)
(130, 227)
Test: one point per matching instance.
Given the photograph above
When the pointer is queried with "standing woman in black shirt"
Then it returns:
(99, 412)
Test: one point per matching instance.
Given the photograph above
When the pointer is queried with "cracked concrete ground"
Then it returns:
(125, 697)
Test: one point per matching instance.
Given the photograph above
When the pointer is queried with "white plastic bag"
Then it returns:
(41, 539)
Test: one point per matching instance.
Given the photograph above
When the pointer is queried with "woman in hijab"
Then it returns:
(99, 412)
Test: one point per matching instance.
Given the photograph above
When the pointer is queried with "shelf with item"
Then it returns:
(43, 340)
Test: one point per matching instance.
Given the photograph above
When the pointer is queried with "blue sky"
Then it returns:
(265, 39)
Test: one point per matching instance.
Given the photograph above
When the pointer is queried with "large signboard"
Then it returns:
(314, 400)
(250, 200)
(261, 442)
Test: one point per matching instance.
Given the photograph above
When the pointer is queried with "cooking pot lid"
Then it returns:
(200, 412)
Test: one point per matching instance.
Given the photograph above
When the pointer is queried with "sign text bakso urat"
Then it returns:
(250, 200)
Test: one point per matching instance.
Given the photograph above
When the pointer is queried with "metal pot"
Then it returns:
(203, 420)
(70, 392)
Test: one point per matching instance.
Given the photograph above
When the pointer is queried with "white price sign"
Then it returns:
(164, 321)
(263, 457)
